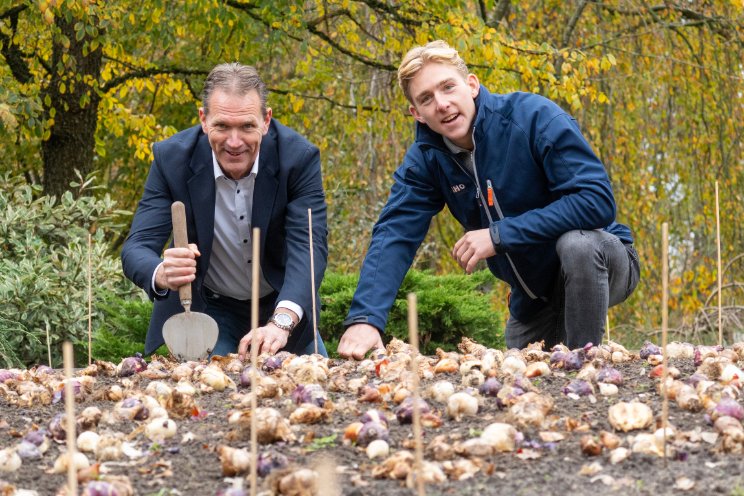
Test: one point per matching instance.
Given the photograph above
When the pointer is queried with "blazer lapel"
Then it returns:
(202, 194)
(264, 191)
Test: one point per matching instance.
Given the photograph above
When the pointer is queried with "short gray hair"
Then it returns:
(234, 78)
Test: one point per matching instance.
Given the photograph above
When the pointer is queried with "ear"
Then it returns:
(415, 114)
(203, 120)
(267, 120)
(472, 81)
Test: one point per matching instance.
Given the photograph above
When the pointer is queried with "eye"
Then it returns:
(220, 127)
(425, 99)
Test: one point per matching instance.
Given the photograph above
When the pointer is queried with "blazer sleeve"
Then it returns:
(150, 231)
(305, 191)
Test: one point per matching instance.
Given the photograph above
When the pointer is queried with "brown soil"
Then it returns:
(175, 467)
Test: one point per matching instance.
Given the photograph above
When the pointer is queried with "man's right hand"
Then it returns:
(178, 268)
(358, 340)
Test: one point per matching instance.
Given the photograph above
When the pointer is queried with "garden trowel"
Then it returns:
(188, 335)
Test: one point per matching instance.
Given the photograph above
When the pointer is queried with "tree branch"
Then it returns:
(14, 56)
(500, 13)
(572, 23)
(143, 73)
(392, 12)
(329, 100)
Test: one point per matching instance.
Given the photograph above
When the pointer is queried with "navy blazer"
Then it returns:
(287, 185)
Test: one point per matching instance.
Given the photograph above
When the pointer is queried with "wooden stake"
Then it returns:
(720, 276)
(49, 346)
(413, 339)
(67, 358)
(664, 325)
(327, 478)
(607, 325)
(90, 299)
(256, 265)
(312, 275)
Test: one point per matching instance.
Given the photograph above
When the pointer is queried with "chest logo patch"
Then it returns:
(456, 188)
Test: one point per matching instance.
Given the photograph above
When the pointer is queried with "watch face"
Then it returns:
(283, 319)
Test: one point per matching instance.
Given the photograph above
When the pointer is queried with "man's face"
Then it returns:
(444, 101)
(235, 127)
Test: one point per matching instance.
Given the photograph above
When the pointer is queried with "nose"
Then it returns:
(233, 139)
(441, 102)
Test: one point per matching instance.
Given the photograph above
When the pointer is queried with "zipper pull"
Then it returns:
(490, 192)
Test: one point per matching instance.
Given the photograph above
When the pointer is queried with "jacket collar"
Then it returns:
(267, 182)
(202, 194)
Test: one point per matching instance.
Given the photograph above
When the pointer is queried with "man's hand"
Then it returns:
(358, 340)
(178, 268)
(269, 339)
(472, 248)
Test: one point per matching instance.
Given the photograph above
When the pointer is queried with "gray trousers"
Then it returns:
(597, 272)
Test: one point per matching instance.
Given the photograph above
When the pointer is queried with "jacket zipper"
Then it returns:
(492, 198)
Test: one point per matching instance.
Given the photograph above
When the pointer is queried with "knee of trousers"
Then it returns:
(576, 249)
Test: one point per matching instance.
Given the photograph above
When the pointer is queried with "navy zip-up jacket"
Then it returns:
(545, 181)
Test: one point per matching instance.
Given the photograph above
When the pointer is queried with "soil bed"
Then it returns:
(188, 463)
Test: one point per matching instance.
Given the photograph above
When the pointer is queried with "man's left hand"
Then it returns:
(269, 339)
(472, 248)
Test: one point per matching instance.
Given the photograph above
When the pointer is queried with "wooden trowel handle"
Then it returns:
(181, 240)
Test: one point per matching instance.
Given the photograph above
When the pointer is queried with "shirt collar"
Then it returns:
(218, 171)
(453, 147)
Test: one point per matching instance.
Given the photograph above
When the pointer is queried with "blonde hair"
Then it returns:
(436, 51)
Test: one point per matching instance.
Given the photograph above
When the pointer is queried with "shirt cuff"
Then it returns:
(155, 289)
(289, 305)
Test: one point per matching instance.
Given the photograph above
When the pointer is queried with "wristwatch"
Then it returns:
(283, 321)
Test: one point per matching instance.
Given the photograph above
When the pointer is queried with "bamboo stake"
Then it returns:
(70, 418)
(413, 339)
(49, 346)
(327, 479)
(90, 299)
(720, 276)
(607, 325)
(312, 275)
(254, 358)
(664, 325)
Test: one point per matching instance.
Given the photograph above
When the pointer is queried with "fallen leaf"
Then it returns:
(551, 437)
(605, 479)
(528, 454)
(684, 484)
(709, 437)
(590, 468)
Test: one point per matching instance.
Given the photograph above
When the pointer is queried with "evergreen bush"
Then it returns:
(448, 306)
(44, 269)
(123, 328)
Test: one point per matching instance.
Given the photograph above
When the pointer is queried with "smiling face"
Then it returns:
(444, 100)
(235, 126)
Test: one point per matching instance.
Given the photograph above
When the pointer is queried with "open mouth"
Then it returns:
(450, 119)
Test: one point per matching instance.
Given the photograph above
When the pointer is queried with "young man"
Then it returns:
(534, 199)
(238, 169)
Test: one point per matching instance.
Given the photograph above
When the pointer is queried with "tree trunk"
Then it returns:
(71, 143)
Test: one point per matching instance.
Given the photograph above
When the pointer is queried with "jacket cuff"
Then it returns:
(495, 238)
(363, 319)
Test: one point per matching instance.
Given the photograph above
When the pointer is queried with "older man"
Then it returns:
(238, 169)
